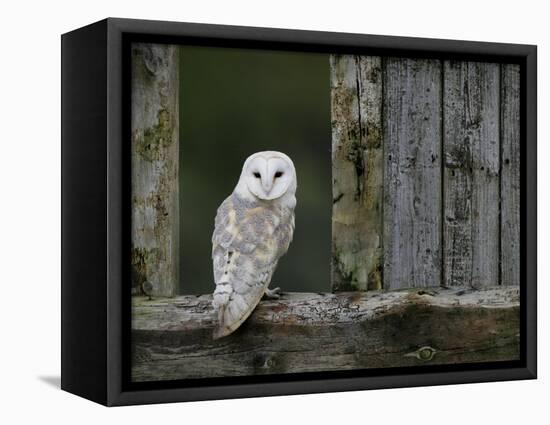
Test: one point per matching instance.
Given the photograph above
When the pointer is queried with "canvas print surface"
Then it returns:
(297, 212)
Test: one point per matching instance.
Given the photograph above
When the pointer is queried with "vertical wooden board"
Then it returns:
(155, 168)
(510, 177)
(356, 101)
(471, 176)
(412, 173)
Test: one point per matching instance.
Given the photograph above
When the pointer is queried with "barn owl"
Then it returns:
(253, 229)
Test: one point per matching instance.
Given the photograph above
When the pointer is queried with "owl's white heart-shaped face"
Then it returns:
(269, 175)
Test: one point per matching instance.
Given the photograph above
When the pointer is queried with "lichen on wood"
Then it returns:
(155, 147)
(303, 332)
(356, 90)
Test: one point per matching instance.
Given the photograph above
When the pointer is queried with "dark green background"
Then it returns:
(234, 102)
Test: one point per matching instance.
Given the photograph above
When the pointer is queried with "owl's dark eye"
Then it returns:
(257, 175)
(278, 174)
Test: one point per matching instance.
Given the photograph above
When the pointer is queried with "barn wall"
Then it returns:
(425, 173)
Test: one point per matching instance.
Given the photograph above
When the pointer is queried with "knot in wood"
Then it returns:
(425, 353)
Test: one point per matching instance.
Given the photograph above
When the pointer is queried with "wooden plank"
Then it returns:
(304, 332)
(412, 173)
(510, 177)
(155, 148)
(471, 177)
(356, 92)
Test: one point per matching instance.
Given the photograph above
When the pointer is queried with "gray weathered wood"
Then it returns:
(471, 149)
(155, 146)
(412, 173)
(356, 94)
(510, 178)
(319, 332)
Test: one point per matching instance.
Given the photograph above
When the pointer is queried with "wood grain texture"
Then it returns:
(471, 177)
(412, 173)
(356, 102)
(319, 332)
(510, 174)
(155, 188)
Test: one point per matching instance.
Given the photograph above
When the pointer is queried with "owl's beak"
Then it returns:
(267, 186)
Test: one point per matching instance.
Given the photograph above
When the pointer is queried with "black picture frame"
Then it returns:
(95, 207)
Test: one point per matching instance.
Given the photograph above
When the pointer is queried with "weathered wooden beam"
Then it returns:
(357, 171)
(302, 332)
(510, 178)
(412, 173)
(155, 147)
(471, 178)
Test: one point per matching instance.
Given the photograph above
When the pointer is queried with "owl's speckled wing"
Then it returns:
(247, 243)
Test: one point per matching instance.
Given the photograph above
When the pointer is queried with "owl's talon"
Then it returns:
(273, 294)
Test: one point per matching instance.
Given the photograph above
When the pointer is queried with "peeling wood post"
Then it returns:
(472, 167)
(510, 178)
(356, 102)
(303, 332)
(412, 173)
(155, 147)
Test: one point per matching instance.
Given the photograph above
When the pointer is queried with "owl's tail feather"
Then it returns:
(220, 302)
(226, 323)
(220, 330)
